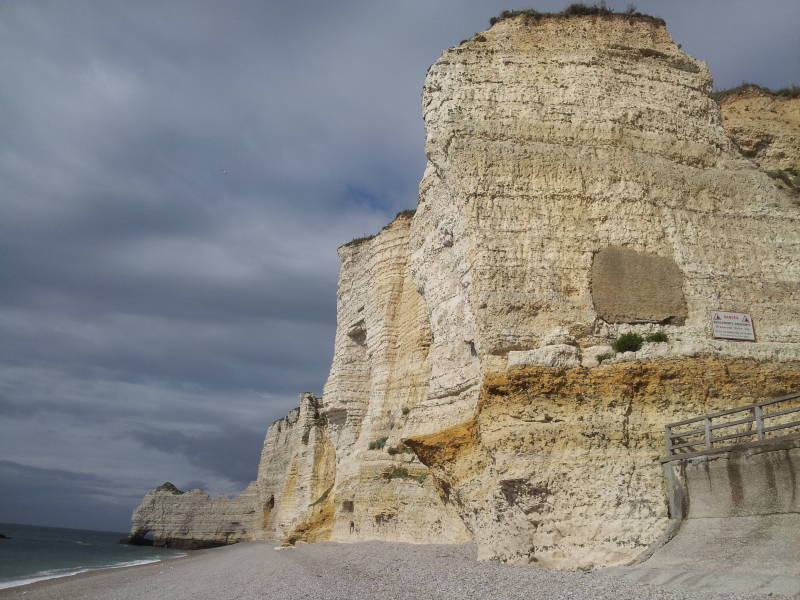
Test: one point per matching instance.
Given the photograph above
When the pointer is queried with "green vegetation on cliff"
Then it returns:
(578, 9)
(405, 214)
(747, 88)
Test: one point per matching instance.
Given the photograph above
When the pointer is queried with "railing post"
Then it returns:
(759, 414)
(707, 422)
(668, 440)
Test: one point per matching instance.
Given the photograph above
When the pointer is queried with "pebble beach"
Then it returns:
(329, 571)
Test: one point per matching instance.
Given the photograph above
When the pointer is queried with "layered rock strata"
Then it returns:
(295, 476)
(560, 466)
(380, 373)
(766, 128)
(288, 501)
(337, 468)
(579, 185)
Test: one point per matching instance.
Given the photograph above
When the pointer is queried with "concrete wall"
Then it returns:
(759, 480)
(736, 520)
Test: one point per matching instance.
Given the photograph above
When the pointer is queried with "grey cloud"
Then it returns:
(82, 499)
(194, 484)
(26, 474)
(114, 406)
(232, 453)
(239, 355)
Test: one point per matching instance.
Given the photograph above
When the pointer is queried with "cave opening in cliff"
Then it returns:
(142, 537)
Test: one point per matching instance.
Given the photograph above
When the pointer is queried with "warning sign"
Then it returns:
(732, 326)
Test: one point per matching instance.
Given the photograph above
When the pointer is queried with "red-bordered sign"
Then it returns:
(732, 326)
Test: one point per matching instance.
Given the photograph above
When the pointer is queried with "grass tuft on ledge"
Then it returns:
(358, 240)
(753, 89)
(578, 9)
(627, 342)
(401, 473)
(658, 337)
(405, 214)
(604, 356)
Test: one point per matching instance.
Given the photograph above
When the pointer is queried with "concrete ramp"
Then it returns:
(738, 523)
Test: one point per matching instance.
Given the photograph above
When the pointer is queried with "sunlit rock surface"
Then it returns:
(190, 520)
(765, 127)
(553, 144)
(380, 373)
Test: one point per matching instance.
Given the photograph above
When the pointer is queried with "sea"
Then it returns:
(32, 553)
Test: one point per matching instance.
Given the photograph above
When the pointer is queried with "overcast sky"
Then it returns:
(175, 178)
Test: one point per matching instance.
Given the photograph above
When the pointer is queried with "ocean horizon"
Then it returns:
(34, 553)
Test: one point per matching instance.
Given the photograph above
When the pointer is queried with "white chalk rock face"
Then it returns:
(557, 336)
(557, 355)
(296, 475)
(552, 141)
(593, 356)
(579, 177)
(190, 520)
(380, 374)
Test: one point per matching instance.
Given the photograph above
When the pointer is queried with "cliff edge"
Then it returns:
(765, 125)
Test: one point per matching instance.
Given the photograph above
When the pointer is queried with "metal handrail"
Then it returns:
(708, 440)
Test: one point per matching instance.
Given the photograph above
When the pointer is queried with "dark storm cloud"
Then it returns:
(240, 354)
(29, 493)
(175, 178)
(25, 475)
(212, 451)
(114, 404)
(194, 484)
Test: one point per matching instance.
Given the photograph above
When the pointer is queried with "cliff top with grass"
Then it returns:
(576, 10)
(753, 89)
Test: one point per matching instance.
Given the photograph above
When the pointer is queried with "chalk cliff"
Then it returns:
(190, 520)
(766, 128)
(336, 468)
(764, 125)
(580, 185)
(295, 476)
(380, 373)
